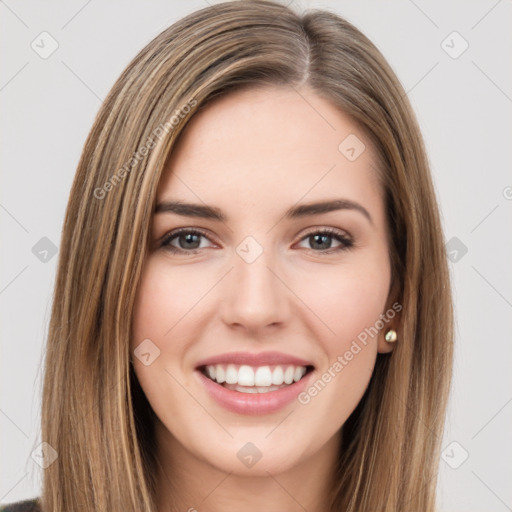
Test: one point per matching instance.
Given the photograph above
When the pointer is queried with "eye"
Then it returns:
(322, 239)
(188, 241)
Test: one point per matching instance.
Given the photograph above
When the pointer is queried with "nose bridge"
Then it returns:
(255, 297)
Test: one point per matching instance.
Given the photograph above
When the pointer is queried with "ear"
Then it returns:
(392, 317)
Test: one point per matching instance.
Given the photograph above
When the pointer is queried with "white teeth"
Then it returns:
(245, 376)
(264, 377)
(254, 389)
(220, 376)
(231, 374)
(248, 389)
(299, 373)
(288, 375)
(277, 376)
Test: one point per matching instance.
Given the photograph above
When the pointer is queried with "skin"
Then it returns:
(254, 154)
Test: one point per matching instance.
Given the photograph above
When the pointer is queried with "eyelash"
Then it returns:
(346, 243)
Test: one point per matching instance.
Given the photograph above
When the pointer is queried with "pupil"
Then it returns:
(189, 239)
(326, 239)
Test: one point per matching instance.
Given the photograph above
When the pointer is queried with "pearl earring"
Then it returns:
(391, 336)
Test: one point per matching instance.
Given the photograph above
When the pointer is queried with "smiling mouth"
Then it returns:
(250, 379)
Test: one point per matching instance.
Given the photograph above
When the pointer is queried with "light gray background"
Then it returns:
(464, 108)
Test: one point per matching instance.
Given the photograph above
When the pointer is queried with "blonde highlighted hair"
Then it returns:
(94, 413)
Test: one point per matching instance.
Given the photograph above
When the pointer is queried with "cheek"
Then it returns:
(165, 297)
(166, 302)
(347, 299)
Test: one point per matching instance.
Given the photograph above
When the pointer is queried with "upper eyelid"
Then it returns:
(174, 232)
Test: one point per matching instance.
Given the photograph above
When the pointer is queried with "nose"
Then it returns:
(255, 298)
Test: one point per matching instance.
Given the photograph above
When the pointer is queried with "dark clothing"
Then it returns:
(22, 506)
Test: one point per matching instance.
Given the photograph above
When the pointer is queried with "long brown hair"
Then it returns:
(94, 413)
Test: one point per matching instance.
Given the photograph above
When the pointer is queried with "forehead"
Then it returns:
(270, 145)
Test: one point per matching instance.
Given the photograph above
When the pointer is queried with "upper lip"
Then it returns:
(260, 359)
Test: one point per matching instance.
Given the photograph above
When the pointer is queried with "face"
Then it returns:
(238, 288)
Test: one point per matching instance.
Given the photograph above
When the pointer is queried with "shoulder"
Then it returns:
(31, 505)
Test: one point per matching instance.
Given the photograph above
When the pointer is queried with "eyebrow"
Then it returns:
(295, 212)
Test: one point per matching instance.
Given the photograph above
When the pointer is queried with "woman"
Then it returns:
(252, 308)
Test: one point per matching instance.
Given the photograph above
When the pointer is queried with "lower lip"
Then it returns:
(254, 403)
